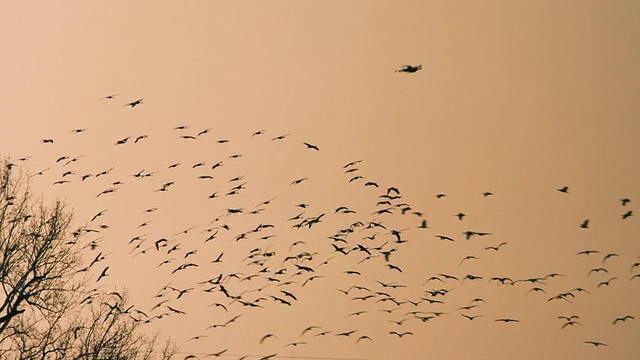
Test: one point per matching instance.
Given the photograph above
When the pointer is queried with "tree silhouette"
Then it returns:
(47, 310)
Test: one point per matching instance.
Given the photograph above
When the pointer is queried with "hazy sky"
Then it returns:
(516, 98)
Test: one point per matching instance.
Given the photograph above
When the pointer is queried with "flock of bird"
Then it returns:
(242, 256)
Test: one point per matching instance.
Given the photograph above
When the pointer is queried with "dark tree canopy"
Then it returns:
(47, 310)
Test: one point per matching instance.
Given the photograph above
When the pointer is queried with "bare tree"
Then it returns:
(47, 310)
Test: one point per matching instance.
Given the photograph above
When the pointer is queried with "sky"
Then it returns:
(518, 99)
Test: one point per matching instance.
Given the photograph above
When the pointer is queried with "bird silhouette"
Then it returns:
(570, 323)
(134, 103)
(103, 274)
(409, 69)
(496, 248)
(311, 146)
(363, 337)
(603, 283)
(267, 336)
(471, 317)
(622, 319)
(109, 97)
(595, 343)
(585, 224)
(400, 335)
(507, 320)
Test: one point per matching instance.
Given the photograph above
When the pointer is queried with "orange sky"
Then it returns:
(515, 98)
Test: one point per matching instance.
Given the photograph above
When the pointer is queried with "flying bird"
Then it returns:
(109, 97)
(311, 146)
(400, 334)
(603, 283)
(595, 343)
(409, 69)
(267, 337)
(103, 274)
(585, 224)
(507, 320)
(623, 319)
(570, 323)
(134, 103)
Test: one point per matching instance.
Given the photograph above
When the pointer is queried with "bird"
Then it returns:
(296, 343)
(564, 189)
(307, 329)
(177, 311)
(585, 224)
(603, 283)
(627, 214)
(101, 213)
(625, 201)
(197, 337)
(346, 333)
(280, 137)
(363, 337)
(134, 103)
(468, 257)
(409, 68)
(267, 337)
(496, 248)
(352, 163)
(507, 320)
(471, 317)
(570, 323)
(109, 97)
(123, 141)
(103, 274)
(400, 335)
(218, 354)
(601, 269)
(595, 343)
(623, 319)
(443, 237)
(161, 243)
(311, 146)
(610, 255)
(587, 252)
(298, 181)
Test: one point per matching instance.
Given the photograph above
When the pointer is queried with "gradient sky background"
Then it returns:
(516, 98)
